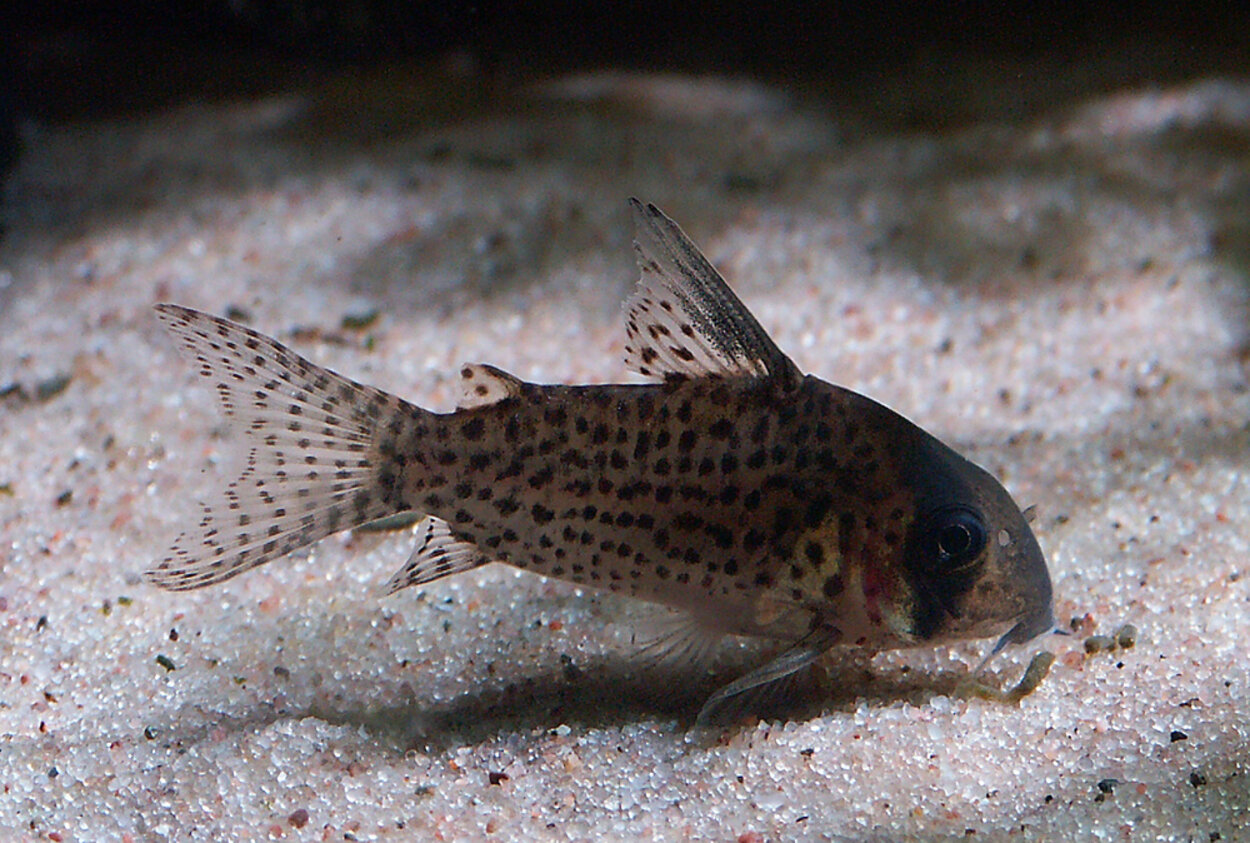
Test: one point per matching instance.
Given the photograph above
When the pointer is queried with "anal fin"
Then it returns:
(438, 553)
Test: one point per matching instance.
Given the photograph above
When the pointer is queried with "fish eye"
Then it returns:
(958, 536)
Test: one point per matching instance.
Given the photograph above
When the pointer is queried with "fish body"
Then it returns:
(760, 501)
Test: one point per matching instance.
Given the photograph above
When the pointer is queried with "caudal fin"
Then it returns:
(313, 465)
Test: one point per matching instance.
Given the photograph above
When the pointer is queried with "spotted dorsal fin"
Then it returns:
(683, 320)
(437, 554)
(483, 384)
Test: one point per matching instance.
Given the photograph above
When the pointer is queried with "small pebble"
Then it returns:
(52, 387)
(359, 321)
(1099, 643)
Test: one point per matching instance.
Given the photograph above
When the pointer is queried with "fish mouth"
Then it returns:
(1026, 629)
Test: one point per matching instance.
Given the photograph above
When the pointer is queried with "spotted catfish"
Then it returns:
(759, 501)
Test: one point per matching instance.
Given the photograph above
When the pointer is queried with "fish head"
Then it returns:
(974, 567)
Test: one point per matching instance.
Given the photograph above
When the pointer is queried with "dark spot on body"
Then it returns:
(513, 469)
(832, 586)
(783, 520)
(642, 445)
(541, 477)
(474, 429)
(817, 510)
(720, 534)
(721, 429)
(689, 492)
(687, 521)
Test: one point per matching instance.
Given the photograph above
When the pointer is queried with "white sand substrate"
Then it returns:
(1061, 295)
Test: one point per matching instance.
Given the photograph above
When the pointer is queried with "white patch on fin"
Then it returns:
(483, 384)
(437, 554)
(312, 465)
(683, 320)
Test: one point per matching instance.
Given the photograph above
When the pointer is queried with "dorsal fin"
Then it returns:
(683, 320)
(483, 384)
(437, 554)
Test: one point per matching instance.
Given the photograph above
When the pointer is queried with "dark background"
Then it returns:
(72, 59)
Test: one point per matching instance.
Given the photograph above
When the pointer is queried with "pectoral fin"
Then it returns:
(770, 678)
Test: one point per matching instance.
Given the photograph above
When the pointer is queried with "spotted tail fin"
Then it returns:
(313, 461)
